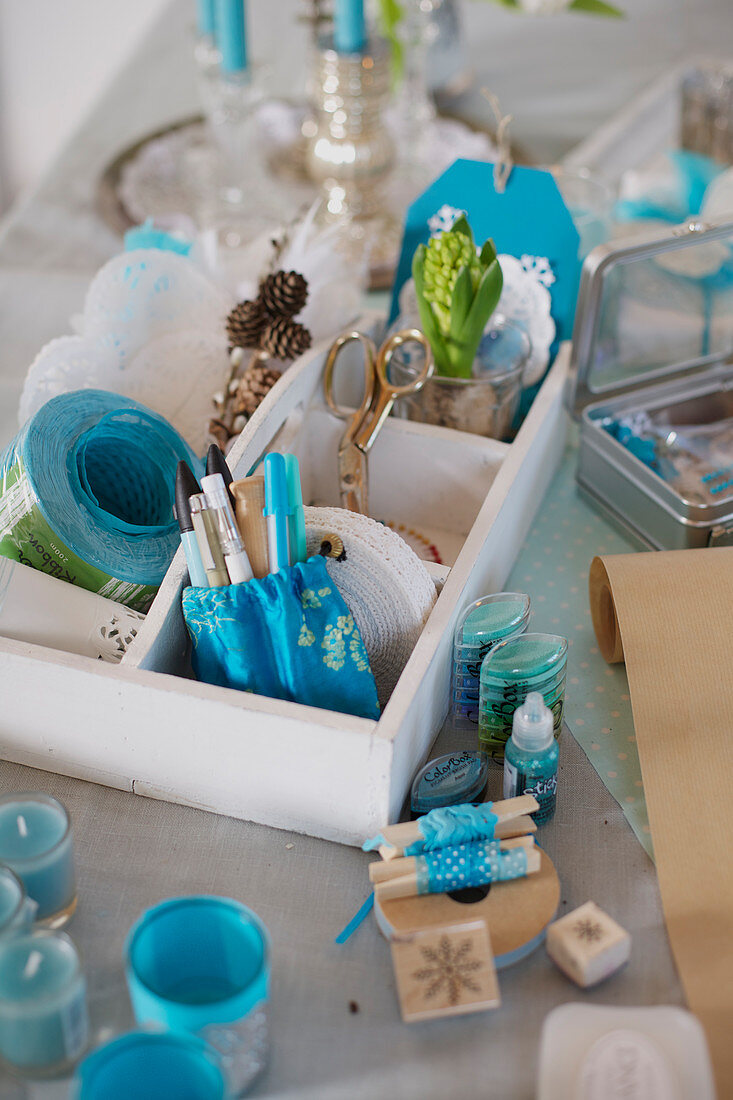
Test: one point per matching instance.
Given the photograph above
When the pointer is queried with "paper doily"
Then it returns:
(526, 299)
(152, 329)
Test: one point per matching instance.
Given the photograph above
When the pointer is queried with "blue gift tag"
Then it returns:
(529, 218)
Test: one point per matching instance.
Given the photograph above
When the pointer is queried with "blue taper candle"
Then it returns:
(349, 32)
(205, 18)
(231, 34)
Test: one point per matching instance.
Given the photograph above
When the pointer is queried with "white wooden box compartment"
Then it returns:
(147, 727)
(641, 132)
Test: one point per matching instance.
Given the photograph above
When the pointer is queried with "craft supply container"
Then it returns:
(512, 669)
(507, 615)
(653, 335)
(146, 726)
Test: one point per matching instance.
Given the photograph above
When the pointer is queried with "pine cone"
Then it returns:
(254, 385)
(219, 432)
(284, 293)
(245, 324)
(285, 339)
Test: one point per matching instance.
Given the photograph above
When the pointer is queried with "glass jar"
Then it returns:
(484, 404)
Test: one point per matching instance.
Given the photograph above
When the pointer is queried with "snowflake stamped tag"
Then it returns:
(445, 971)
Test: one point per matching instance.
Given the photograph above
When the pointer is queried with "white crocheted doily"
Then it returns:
(384, 584)
(152, 328)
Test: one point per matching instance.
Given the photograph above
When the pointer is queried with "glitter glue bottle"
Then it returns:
(531, 755)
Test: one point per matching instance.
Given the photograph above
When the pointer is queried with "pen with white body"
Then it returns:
(230, 540)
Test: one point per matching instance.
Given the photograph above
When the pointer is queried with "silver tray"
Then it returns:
(284, 162)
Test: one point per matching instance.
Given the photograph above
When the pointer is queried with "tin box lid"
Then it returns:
(652, 309)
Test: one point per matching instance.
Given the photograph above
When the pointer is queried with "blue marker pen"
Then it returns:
(186, 487)
(296, 518)
(276, 511)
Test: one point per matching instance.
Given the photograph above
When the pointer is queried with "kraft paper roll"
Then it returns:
(669, 615)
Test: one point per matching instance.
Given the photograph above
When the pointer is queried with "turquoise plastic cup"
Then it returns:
(150, 1065)
(202, 965)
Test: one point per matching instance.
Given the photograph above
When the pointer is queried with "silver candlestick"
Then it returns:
(349, 151)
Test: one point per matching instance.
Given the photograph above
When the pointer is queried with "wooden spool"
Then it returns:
(516, 913)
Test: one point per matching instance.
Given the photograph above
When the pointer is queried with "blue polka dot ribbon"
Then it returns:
(468, 865)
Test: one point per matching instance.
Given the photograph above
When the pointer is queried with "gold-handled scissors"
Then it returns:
(379, 396)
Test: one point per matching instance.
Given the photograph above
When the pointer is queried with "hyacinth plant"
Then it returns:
(457, 290)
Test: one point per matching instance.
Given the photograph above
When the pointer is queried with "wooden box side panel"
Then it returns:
(289, 766)
(421, 699)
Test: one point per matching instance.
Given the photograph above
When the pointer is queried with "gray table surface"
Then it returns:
(560, 78)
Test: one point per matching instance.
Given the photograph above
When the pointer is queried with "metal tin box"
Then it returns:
(652, 361)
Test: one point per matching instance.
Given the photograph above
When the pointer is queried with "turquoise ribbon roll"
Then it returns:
(86, 494)
(447, 825)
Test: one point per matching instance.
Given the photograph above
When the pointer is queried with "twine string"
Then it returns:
(504, 161)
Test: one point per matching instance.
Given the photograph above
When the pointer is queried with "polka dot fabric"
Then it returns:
(468, 865)
(553, 568)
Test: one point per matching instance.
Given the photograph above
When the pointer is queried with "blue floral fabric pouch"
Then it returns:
(288, 636)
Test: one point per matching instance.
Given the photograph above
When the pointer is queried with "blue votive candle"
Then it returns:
(230, 19)
(349, 30)
(35, 842)
(44, 1024)
(16, 909)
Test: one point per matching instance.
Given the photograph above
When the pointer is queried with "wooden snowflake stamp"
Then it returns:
(445, 971)
(588, 945)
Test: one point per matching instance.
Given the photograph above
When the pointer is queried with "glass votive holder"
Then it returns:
(530, 662)
(44, 1022)
(484, 404)
(16, 908)
(151, 1065)
(484, 624)
(36, 843)
(589, 200)
(201, 964)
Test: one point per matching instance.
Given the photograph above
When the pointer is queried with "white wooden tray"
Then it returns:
(147, 727)
(640, 132)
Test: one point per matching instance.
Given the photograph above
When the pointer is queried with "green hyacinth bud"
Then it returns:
(457, 290)
(444, 257)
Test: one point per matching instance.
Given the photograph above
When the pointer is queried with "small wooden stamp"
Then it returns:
(588, 945)
(445, 971)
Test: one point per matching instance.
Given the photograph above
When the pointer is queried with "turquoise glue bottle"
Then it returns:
(531, 755)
